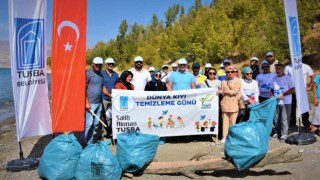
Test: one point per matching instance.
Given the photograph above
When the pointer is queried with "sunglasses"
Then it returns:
(110, 64)
(235, 71)
(265, 67)
(138, 62)
(248, 73)
(229, 72)
(212, 73)
(269, 56)
(157, 75)
(226, 63)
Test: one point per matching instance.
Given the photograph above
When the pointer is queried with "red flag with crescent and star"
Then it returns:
(68, 65)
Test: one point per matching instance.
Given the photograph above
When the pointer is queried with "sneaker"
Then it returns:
(283, 138)
(223, 140)
(275, 136)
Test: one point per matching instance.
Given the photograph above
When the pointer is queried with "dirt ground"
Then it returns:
(175, 149)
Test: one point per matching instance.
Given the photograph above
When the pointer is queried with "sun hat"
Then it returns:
(138, 58)
(97, 60)
(208, 65)
(109, 60)
(182, 61)
(151, 68)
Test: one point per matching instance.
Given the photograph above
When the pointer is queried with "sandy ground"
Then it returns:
(175, 149)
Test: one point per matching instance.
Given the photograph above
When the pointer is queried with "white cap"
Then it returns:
(138, 58)
(174, 65)
(182, 61)
(208, 65)
(97, 60)
(254, 59)
(109, 60)
(164, 65)
(221, 65)
(151, 68)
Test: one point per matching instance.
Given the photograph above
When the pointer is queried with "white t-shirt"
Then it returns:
(140, 79)
(281, 85)
(250, 90)
(264, 82)
(165, 76)
(306, 71)
(212, 83)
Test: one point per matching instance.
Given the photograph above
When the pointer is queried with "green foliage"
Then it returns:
(238, 29)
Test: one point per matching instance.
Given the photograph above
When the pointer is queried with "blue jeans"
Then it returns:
(91, 122)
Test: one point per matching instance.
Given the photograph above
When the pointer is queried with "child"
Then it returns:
(316, 98)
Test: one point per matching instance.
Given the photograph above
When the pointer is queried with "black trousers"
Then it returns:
(304, 116)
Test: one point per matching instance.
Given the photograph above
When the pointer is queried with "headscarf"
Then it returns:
(123, 78)
(244, 71)
(153, 76)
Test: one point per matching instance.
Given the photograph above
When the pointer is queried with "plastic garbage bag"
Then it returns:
(97, 162)
(246, 143)
(60, 158)
(135, 149)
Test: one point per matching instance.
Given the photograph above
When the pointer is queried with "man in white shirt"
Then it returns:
(141, 76)
(164, 73)
(307, 72)
(282, 88)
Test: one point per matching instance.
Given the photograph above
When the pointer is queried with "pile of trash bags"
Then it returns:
(63, 157)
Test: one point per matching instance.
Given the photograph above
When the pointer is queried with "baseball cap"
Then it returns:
(109, 60)
(174, 65)
(226, 61)
(269, 54)
(138, 58)
(195, 65)
(221, 65)
(151, 68)
(182, 61)
(264, 62)
(164, 65)
(97, 60)
(254, 59)
(208, 65)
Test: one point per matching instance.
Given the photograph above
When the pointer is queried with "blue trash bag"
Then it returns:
(246, 143)
(135, 149)
(264, 112)
(97, 162)
(60, 158)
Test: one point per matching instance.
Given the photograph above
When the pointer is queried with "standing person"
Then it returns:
(271, 60)
(222, 73)
(307, 72)
(181, 79)
(254, 65)
(199, 77)
(315, 124)
(249, 93)
(211, 81)
(264, 81)
(164, 73)
(282, 88)
(231, 89)
(125, 81)
(94, 90)
(156, 84)
(140, 75)
(206, 68)
(110, 78)
(174, 67)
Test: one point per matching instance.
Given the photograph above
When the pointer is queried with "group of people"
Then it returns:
(259, 82)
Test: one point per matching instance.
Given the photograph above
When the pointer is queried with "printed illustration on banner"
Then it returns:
(29, 43)
(123, 103)
(206, 101)
(295, 37)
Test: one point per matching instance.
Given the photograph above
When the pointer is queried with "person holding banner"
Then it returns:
(231, 91)
(125, 81)
(94, 90)
(282, 88)
(140, 75)
(181, 79)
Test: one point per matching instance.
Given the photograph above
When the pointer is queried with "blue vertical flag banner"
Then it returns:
(165, 113)
(291, 13)
(28, 67)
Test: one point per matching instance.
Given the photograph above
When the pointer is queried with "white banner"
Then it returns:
(27, 20)
(290, 7)
(165, 113)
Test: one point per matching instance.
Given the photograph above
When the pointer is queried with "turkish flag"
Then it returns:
(68, 65)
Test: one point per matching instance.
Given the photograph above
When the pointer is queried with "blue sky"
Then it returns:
(105, 16)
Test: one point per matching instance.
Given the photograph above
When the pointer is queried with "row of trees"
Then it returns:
(226, 28)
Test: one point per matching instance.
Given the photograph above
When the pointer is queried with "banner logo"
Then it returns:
(295, 35)
(123, 103)
(29, 43)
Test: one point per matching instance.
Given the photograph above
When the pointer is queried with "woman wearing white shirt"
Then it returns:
(211, 81)
(249, 94)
